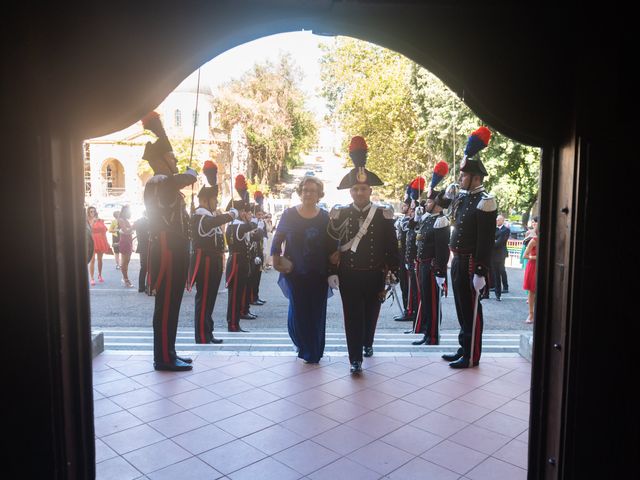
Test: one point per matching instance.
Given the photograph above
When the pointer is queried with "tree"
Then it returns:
(269, 103)
(411, 120)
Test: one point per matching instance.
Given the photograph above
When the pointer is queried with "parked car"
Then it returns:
(518, 232)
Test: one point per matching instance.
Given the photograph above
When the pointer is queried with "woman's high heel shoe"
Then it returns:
(100, 279)
(93, 282)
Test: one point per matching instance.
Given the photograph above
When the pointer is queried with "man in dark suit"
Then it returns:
(498, 256)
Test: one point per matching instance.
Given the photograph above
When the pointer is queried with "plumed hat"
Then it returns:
(151, 121)
(210, 171)
(359, 174)
(259, 199)
(240, 205)
(476, 142)
(240, 185)
(414, 190)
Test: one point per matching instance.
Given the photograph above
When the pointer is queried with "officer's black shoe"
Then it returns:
(185, 359)
(248, 316)
(260, 301)
(462, 363)
(368, 352)
(175, 366)
(498, 299)
(506, 290)
(236, 329)
(452, 357)
(404, 319)
(356, 367)
(424, 340)
(216, 340)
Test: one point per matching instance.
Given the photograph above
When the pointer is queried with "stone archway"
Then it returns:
(112, 177)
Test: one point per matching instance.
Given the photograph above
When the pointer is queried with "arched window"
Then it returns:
(178, 118)
(196, 114)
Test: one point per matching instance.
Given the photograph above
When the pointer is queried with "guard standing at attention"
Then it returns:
(168, 243)
(208, 254)
(433, 257)
(473, 214)
(367, 252)
(238, 236)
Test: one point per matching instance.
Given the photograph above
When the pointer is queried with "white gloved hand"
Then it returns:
(333, 282)
(192, 172)
(440, 281)
(479, 282)
(233, 212)
(257, 260)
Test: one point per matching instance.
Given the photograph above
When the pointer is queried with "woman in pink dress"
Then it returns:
(100, 242)
(125, 229)
(529, 283)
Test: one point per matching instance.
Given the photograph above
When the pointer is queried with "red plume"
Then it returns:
(418, 183)
(357, 143)
(441, 168)
(240, 183)
(149, 118)
(484, 134)
(257, 194)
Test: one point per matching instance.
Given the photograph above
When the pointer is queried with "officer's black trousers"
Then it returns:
(142, 276)
(412, 292)
(169, 262)
(237, 273)
(404, 285)
(428, 318)
(208, 278)
(360, 292)
(470, 337)
(254, 282)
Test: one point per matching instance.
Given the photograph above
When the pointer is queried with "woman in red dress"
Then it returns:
(100, 243)
(529, 283)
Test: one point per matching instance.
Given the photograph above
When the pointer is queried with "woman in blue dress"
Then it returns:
(303, 268)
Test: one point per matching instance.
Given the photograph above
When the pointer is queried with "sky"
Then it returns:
(302, 45)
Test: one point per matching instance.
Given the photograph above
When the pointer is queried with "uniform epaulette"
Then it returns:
(334, 213)
(157, 179)
(442, 222)
(387, 211)
(487, 203)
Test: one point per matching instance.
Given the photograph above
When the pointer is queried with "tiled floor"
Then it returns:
(274, 417)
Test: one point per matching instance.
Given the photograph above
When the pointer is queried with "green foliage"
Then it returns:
(411, 120)
(269, 103)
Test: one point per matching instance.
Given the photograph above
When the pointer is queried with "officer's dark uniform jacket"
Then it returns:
(433, 243)
(238, 239)
(474, 219)
(168, 218)
(378, 248)
(207, 232)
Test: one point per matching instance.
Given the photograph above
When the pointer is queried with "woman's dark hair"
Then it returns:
(536, 219)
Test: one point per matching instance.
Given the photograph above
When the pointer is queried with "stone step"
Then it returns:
(142, 340)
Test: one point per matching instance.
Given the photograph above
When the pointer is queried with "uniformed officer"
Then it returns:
(208, 254)
(410, 251)
(401, 234)
(258, 237)
(431, 266)
(367, 252)
(238, 239)
(168, 243)
(473, 214)
(432, 259)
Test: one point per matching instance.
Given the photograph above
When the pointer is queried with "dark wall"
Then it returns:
(549, 77)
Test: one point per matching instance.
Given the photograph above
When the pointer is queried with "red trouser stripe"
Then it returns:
(192, 280)
(166, 305)
(163, 260)
(203, 299)
(419, 313)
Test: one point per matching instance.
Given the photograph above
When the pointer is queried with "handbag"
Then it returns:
(282, 264)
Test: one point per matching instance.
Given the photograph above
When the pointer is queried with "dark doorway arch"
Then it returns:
(539, 75)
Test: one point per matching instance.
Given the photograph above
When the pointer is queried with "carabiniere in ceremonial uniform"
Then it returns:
(208, 254)
(474, 214)
(431, 267)
(368, 251)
